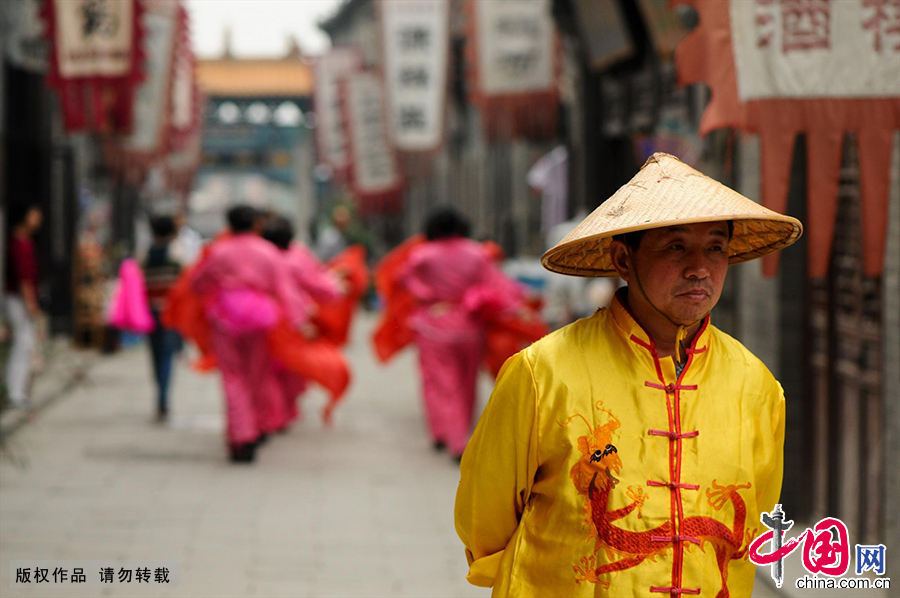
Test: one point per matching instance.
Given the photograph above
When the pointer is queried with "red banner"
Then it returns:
(781, 68)
(95, 60)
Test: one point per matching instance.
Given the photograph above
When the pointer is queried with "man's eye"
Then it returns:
(676, 246)
(717, 248)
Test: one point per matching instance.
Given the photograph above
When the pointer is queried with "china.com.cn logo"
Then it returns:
(826, 548)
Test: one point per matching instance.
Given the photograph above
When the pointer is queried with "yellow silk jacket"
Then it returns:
(595, 471)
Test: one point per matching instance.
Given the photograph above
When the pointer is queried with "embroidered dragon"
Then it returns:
(594, 478)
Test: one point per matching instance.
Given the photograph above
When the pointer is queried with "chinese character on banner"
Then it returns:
(416, 40)
(106, 575)
(806, 24)
(161, 575)
(142, 575)
(23, 575)
(124, 575)
(821, 68)
(883, 21)
(60, 575)
(870, 558)
(40, 575)
(78, 575)
(95, 60)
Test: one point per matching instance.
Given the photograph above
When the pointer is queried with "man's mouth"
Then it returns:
(695, 294)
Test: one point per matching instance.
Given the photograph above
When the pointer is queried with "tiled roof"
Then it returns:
(250, 78)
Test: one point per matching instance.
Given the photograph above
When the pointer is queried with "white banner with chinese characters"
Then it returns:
(330, 68)
(515, 46)
(821, 68)
(374, 169)
(816, 48)
(26, 45)
(415, 35)
(94, 37)
(152, 100)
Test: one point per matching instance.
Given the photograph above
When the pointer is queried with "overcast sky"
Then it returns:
(259, 28)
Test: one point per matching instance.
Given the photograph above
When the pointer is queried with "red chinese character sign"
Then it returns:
(515, 60)
(95, 60)
(415, 37)
(819, 67)
(374, 170)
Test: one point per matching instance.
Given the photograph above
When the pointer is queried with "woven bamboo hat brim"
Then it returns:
(667, 192)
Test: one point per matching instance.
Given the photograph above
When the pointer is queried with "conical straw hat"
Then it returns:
(666, 192)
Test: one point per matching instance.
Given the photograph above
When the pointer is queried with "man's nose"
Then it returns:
(697, 264)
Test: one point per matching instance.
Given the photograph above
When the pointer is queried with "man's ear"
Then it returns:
(618, 253)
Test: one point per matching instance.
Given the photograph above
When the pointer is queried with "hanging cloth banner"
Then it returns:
(516, 61)
(374, 170)
(819, 67)
(415, 38)
(185, 113)
(23, 31)
(149, 138)
(95, 60)
(330, 68)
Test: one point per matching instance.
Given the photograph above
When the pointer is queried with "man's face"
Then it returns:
(682, 268)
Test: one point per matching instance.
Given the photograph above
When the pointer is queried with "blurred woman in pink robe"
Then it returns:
(314, 281)
(248, 289)
(450, 276)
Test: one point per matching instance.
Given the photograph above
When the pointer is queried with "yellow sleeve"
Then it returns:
(769, 475)
(497, 470)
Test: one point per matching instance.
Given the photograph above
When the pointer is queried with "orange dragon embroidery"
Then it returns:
(594, 478)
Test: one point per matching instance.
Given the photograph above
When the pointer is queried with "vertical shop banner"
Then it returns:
(374, 170)
(819, 67)
(415, 40)
(329, 69)
(516, 66)
(23, 34)
(148, 139)
(95, 60)
(185, 113)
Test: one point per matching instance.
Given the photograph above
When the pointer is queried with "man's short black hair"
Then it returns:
(162, 226)
(241, 219)
(633, 239)
(445, 223)
(279, 231)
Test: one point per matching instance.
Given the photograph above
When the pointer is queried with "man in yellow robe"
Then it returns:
(632, 452)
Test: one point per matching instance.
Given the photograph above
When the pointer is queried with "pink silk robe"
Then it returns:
(316, 282)
(444, 276)
(246, 262)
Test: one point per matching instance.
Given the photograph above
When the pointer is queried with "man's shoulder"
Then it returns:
(731, 349)
(572, 337)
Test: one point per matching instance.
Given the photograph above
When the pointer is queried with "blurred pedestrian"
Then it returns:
(314, 281)
(187, 244)
(333, 239)
(161, 271)
(448, 330)
(247, 290)
(610, 446)
(21, 305)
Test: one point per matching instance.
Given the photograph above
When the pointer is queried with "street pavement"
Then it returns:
(364, 508)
